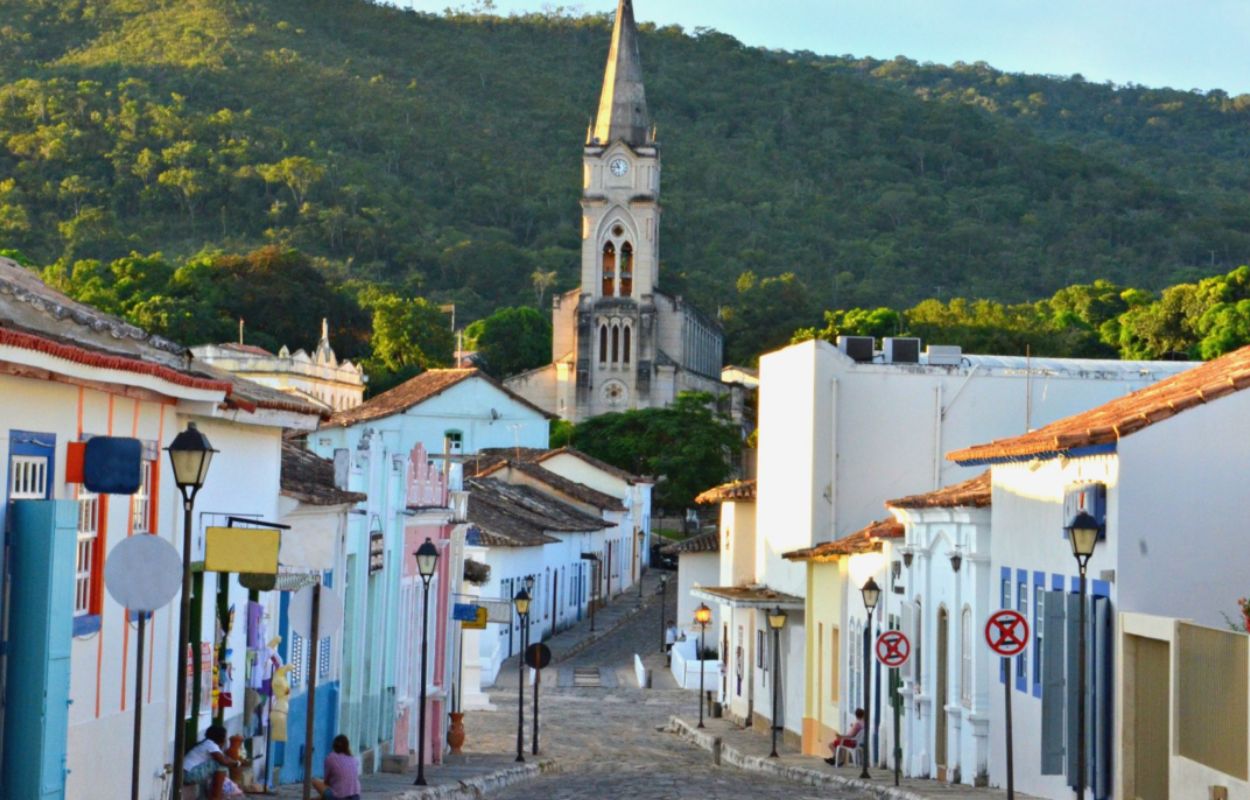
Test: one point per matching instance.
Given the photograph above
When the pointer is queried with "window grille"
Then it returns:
(141, 501)
(28, 478)
(88, 539)
(296, 661)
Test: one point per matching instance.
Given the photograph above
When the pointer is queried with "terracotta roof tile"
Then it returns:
(310, 479)
(972, 493)
(624, 475)
(1123, 416)
(734, 490)
(865, 540)
(417, 390)
(749, 595)
(578, 491)
(706, 542)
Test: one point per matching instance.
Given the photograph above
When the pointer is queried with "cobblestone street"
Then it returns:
(606, 740)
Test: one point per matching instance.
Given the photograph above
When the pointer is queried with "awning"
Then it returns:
(748, 597)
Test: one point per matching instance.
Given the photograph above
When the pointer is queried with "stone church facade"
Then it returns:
(619, 342)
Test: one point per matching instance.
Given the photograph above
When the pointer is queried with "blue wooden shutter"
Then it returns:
(1054, 684)
(1101, 703)
(1071, 661)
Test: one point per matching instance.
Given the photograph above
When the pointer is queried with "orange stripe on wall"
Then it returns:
(154, 515)
(130, 531)
(97, 575)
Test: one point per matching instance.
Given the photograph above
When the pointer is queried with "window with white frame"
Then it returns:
(965, 657)
(88, 544)
(141, 506)
(28, 478)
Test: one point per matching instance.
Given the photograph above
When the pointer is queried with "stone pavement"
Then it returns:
(748, 749)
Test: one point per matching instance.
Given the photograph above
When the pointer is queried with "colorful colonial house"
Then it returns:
(1160, 471)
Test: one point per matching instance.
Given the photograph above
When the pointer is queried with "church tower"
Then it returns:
(618, 341)
(620, 236)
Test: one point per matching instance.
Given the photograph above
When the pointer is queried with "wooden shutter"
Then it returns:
(1054, 684)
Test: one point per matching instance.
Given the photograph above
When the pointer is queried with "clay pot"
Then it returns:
(455, 736)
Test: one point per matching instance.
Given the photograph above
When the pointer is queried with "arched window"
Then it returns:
(616, 344)
(625, 347)
(603, 344)
(609, 270)
(627, 270)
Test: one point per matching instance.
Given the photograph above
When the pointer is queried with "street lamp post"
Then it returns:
(663, 602)
(702, 616)
(776, 621)
(871, 593)
(427, 559)
(1083, 536)
(522, 603)
(190, 455)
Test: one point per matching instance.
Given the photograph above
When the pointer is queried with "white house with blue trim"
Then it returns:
(1162, 470)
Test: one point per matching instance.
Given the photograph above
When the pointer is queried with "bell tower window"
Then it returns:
(616, 344)
(603, 344)
(609, 270)
(625, 345)
(627, 269)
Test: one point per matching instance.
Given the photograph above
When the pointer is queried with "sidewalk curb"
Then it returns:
(727, 754)
(477, 787)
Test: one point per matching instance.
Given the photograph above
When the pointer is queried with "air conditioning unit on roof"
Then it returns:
(859, 348)
(901, 350)
(944, 355)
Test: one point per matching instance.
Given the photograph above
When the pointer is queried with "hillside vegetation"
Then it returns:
(441, 156)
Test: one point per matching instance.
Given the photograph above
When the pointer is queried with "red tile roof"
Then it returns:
(624, 475)
(412, 392)
(865, 540)
(706, 542)
(1123, 416)
(734, 490)
(972, 493)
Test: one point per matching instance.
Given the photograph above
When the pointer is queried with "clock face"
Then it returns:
(619, 166)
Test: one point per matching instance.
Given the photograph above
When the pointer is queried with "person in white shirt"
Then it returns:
(206, 759)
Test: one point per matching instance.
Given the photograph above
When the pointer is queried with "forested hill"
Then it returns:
(442, 154)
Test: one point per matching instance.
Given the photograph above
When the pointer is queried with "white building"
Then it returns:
(943, 594)
(319, 378)
(698, 565)
(1162, 470)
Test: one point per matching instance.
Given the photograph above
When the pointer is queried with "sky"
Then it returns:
(1184, 44)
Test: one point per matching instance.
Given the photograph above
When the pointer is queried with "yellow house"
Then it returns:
(833, 666)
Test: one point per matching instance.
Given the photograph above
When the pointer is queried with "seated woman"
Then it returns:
(849, 741)
(205, 760)
(342, 771)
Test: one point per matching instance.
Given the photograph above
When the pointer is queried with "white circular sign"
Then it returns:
(299, 612)
(143, 573)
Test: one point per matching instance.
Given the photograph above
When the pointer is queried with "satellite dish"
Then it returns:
(143, 573)
(299, 612)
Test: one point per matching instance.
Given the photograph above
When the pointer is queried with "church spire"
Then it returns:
(623, 104)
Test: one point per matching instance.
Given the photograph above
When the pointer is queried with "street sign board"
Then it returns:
(143, 572)
(1007, 632)
(537, 656)
(893, 648)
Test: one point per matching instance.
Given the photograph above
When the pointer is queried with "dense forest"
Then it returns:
(393, 155)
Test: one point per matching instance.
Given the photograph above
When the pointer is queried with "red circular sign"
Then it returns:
(1007, 632)
(893, 648)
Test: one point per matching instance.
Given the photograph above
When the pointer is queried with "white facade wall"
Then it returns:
(693, 570)
(932, 586)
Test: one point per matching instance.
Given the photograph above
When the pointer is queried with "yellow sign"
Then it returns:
(241, 550)
(477, 624)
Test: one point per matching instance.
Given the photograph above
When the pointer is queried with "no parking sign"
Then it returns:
(893, 648)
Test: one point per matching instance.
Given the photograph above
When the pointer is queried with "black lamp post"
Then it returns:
(702, 616)
(522, 603)
(871, 593)
(776, 621)
(1083, 536)
(189, 454)
(663, 602)
(427, 559)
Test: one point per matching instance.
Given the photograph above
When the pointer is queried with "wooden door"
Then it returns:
(940, 695)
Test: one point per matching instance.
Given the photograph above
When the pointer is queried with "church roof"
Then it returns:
(623, 103)
(415, 391)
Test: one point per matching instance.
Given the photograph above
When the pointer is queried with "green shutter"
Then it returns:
(1053, 684)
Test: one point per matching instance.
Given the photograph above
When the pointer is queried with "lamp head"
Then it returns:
(427, 559)
(871, 593)
(1083, 535)
(529, 583)
(522, 602)
(702, 615)
(957, 559)
(190, 454)
(908, 555)
(776, 618)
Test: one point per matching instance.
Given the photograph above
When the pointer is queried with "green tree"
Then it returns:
(687, 447)
(410, 335)
(510, 341)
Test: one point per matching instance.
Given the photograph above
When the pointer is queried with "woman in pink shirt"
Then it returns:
(850, 740)
(342, 770)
